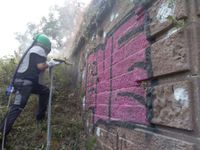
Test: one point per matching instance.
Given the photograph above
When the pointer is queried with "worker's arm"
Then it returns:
(42, 66)
(39, 62)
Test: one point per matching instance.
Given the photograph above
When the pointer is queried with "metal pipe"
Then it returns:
(49, 111)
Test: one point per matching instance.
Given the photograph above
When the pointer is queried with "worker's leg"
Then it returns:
(43, 93)
(21, 97)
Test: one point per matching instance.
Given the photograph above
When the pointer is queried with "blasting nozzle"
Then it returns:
(63, 61)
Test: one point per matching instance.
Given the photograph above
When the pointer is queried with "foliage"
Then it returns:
(59, 25)
(67, 128)
(7, 68)
(177, 23)
(90, 143)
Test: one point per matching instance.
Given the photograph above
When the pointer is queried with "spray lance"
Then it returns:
(52, 63)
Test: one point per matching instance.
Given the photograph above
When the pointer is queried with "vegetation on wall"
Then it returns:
(67, 127)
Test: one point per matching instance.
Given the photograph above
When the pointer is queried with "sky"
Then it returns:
(15, 14)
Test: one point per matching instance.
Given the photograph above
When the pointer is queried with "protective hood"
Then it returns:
(25, 63)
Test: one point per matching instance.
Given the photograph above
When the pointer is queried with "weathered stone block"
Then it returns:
(143, 140)
(181, 9)
(161, 11)
(91, 81)
(172, 105)
(198, 6)
(90, 102)
(170, 54)
(107, 138)
(101, 146)
(88, 121)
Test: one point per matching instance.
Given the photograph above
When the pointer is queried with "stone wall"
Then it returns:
(140, 76)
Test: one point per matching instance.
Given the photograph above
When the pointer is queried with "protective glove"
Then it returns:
(52, 63)
(9, 90)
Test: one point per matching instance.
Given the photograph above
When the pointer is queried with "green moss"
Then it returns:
(90, 142)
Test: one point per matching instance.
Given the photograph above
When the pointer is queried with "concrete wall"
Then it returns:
(141, 76)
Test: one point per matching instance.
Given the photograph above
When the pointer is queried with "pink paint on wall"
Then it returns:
(103, 98)
(131, 24)
(101, 77)
(131, 113)
(136, 90)
(104, 76)
(119, 55)
(102, 110)
(120, 67)
(136, 44)
(128, 80)
(103, 87)
(91, 58)
(107, 62)
(123, 66)
(100, 66)
(99, 117)
(100, 54)
(108, 48)
(107, 74)
(129, 108)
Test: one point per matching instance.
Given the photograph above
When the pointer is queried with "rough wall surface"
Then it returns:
(141, 76)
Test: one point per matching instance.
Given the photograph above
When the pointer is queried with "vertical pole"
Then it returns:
(49, 111)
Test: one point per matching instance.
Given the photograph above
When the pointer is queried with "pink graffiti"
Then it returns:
(113, 88)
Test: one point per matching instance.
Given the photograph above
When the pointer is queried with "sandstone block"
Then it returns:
(161, 11)
(170, 55)
(143, 140)
(172, 105)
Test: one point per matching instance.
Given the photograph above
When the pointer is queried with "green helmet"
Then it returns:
(44, 41)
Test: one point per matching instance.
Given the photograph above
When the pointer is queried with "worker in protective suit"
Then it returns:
(26, 82)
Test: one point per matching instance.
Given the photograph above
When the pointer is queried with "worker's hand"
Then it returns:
(52, 63)
(9, 90)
